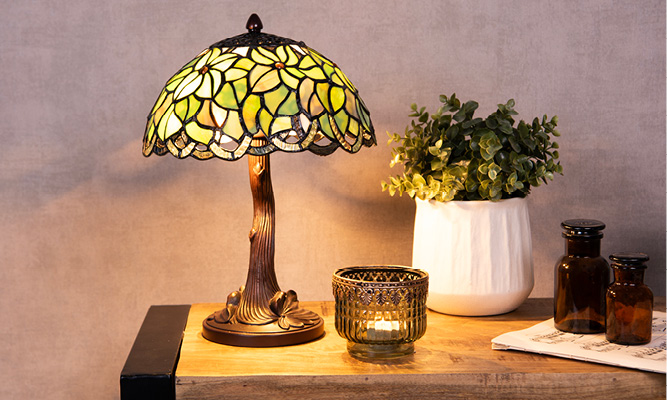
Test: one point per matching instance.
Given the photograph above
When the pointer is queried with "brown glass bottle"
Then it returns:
(581, 279)
(629, 301)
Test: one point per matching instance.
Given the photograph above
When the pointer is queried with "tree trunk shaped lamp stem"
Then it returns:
(261, 284)
(260, 314)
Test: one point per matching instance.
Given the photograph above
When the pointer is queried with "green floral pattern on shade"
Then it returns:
(291, 95)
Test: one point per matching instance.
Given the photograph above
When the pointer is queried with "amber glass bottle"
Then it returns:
(629, 301)
(581, 279)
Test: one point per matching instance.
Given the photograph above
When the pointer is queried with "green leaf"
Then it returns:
(460, 115)
(512, 179)
(436, 164)
(491, 122)
(514, 144)
(530, 143)
(445, 120)
(494, 193)
(454, 102)
(486, 156)
(471, 123)
(470, 107)
(524, 130)
(418, 180)
(452, 132)
(505, 127)
(471, 185)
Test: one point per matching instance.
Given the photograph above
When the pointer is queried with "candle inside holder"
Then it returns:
(380, 310)
(380, 330)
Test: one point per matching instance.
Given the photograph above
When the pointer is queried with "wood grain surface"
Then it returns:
(453, 360)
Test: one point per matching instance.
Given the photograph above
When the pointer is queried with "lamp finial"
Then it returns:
(254, 24)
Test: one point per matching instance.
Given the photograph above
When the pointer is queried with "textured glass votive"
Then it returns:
(380, 310)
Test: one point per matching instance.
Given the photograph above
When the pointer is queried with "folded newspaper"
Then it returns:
(543, 338)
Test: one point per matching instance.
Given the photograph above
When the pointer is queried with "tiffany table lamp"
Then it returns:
(253, 94)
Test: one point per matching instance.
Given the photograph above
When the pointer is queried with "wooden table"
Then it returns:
(453, 360)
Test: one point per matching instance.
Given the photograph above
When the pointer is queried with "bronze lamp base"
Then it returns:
(259, 314)
(269, 335)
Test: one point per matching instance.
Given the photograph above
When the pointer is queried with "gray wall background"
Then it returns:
(93, 233)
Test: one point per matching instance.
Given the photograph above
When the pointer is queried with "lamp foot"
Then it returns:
(268, 335)
(284, 323)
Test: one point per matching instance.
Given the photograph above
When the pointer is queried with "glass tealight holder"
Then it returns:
(380, 310)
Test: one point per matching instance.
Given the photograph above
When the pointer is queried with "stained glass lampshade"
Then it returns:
(253, 94)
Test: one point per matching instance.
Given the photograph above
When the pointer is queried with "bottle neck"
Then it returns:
(582, 247)
(633, 276)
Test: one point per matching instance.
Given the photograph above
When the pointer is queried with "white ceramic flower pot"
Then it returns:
(478, 255)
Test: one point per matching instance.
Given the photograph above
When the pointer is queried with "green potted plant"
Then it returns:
(469, 177)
